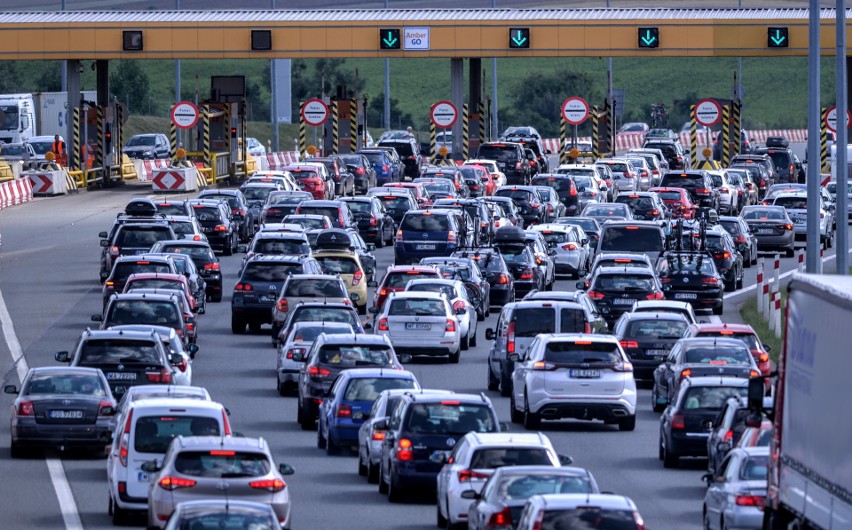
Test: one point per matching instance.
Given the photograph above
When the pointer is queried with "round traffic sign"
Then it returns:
(315, 112)
(575, 110)
(831, 119)
(444, 114)
(708, 112)
(184, 115)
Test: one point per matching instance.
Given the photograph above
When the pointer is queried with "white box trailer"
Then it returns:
(810, 476)
(53, 113)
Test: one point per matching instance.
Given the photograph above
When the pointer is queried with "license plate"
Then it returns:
(142, 476)
(423, 326)
(657, 353)
(267, 299)
(584, 374)
(425, 247)
(686, 296)
(121, 376)
(66, 414)
(765, 231)
(797, 220)
(624, 301)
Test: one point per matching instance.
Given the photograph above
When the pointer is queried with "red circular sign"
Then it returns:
(184, 115)
(444, 114)
(575, 110)
(314, 112)
(708, 112)
(831, 119)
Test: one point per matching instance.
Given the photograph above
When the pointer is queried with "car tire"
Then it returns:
(532, 421)
(321, 441)
(790, 252)
(16, 451)
(719, 310)
(472, 341)
(282, 390)
(453, 358)
(740, 281)
(238, 325)
(440, 520)
(372, 473)
(514, 414)
(670, 461)
(331, 448)
(506, 385)
(465, 343)
(493, 382)
(228, 248)
(119, 515)
(627, 424)
(383, 486)
(362, 469)
(395, 495)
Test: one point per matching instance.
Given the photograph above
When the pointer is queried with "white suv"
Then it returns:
(573, 375)
(728, 197)
(421, 323)
(474, 459)
(577, 510)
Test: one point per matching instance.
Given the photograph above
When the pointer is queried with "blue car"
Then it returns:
(427, 233)
(350, 399)
(387, 170)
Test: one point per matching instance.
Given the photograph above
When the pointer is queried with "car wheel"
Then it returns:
(472, 340)
(480, 314)
(740, 280)
(238, 325)
(372, 473)
(493, 382)
(670, 461)
(505, 385)
(331, 448)
(532, 421)
(282, 390)
(829, 242)
(383, 486)
(321, 441)
(754, 256)
(16, 451)
(395, 495)
(228, 247)
(719, 310)
(380, 238)
(119, 515)
(440, 520)
(362, 469)
(627, 424)
(790, 252)
(453, 358)
(514, 414)
(706, 519)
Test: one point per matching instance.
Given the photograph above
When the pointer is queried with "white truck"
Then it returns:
(23, 116)
(810, 469)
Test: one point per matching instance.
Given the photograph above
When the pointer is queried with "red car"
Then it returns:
(420, 191)
(678, 201)
(311, 180)
(744, 332)
(398, 276)
(158, 280)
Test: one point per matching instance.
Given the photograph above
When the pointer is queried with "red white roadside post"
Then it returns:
(760, 284)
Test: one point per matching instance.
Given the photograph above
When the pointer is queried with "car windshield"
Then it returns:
(588, 517)
(315, 287)
(369, 388)
(273, 272)
(523, 487)
(581, 352)
(659, 328)
(137, 141)
(450, 417)
(717, 354)
(417, 307)
(155, 433)
(355, 355)
(632, 238)
(401, 279)
(219, 463)
(763, 214)
(41, 148)
(78, 384)
(278, 246)
(624, 282)
(326, 314)
(119, 351)
(530, 321)
(711, 397)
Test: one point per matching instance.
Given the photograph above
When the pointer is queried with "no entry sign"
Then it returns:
(314, 112)
(444, 114)
(708, 112)
(575, 110)
(184, 115)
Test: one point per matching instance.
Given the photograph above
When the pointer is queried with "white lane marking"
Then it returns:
(715, 319)
(772, 278)
(64, 495)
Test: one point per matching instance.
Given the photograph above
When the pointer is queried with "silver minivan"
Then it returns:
(518, 325)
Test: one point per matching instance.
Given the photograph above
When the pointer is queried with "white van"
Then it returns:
(148, 428)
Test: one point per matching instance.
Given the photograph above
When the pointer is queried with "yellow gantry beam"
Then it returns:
(176, 35)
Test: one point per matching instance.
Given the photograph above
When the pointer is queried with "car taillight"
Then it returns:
(500, 520)
(359, 171)
(655, 212)
(451, 236)
(385, 167)
(710, 281)
(740, 239)
(543, 366)
(343, 411)
(374, 221)
(518, 165)
(629, 344)
(399, 236)
(686, 372)
(534, 205)
(629, 175)
(220, 228)
(678, 422)
(510, 338)
(183, 365)
(622, 366)
(787, 226)
(539, 519)
(211, 266)
(458, 305)
(637, 519)
(751, 500)
(101, 406)
(466, 475)
(451, 325)
(293, 351)
(109, 283)
(656, 296)
(125, 437)
(25, 408)
(527, 274)
(383, 324)
(725, 191)
(403, 450)
(115, 251)
(594, 295)
(271, 485)
(569, 246)
(763, 357)
(163, 376)
(318, 372)
(238, 211)
(173, 483)
(729, 436)
(753, 373)
(722, 255)
(282, 305)
(503, 279)
(243, 287)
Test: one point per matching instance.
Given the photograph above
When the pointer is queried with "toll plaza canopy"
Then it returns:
(450, 33)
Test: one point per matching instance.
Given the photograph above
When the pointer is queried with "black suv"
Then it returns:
(692, 277)
(510, 158)
(647, 337)
(420, 434)
(344, 180)
(257, 289)
(565, 188)
(202, 256)
(528, 201)
(787, 165)
(534, 145)
(760, 159)
(645, 205)
(241, 214)
(130, 237)
(409, 151)
(698, 184)
(616, 289)
(671, 149)
(216, 222)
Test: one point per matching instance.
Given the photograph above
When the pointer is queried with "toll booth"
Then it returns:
(98, 131)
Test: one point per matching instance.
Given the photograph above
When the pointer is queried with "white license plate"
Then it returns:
(66, 414)
(425, 247)
(267, 299)
(798, 220)
(624, 301)
(422, 326)
(765, 231)
(142, 477)
(584, 374)
(686, 296)
(657, 353)
(121, 376)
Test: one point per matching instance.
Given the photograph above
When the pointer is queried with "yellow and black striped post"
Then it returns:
(172, 140)
(726, 135)
(353, 125)
(119, 135)
(738, 135)
(482, 130)
(693, 137)
(244, 134)
(228, 129)
(563, 150)
(596, 151)
(205, 115)
(303, 136)
(823, 142)
(433, 142)
(610, 127)
(99, 152)
(465, 131)
(75, 152)
(335, 128)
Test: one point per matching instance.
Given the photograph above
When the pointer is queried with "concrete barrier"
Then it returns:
(175, 179)
(47, 182)
(145, 168)
(281, 159)
(13, 192)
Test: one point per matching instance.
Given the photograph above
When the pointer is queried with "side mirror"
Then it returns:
(580, 285)
(192, 349)
(286, 469)
(514, 357)
(371, 247)
(565, 460)
(10, 389)
(201, 310)
(97, 318)
(104, 243)
(242, 249)
(373, 310)
(707, 478)
(62, 357)
(103, 235)
(472, 494)
(150, 466)
(489, 334)
(438, 458)
(372, 283)
(369, 270)
(767, 347)
(404, 358)
(106, 411)
(175, 358)
(381, 425)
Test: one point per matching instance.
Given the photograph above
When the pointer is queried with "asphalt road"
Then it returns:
(48, 282)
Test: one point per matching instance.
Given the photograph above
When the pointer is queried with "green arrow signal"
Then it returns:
(778, 38)
(519, 40)
(390, 40)
(648, 39)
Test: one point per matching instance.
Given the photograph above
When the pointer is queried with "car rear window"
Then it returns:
(328, 211)
(277, 246)
(161, 313)
(749, 338)
(337, 265)
(270, 272)
(606, 210)
(123, 269)
(687, 264)
(426, 223)
(401, 279)
(305, 174)
(618, 167)
(142, 237)
(579, 172)
(310, 333)
(496, 152)
(732, 227)
(530, 321)
(588, 517)
(554, 237)
(624, 282)
(207, 213)
(415, 307)
(632, 238)
(222, 463)
(433, 288)
(326, 314)
(78, 384)
(368, 389)
(171, 208)
(581, 352)
(155, 433)
(670, 195)
(667, 149)
(687, 181)
(315, 287)
(395, 203)
(711, 397)
(154, 283)
(450, 417)
(355, 355)
(515, 195)
(641, 203)
(402, 148)
(360, 206)
(525, 486)
(494, 457)
(119, 351)
(257, 193)
(661, 329)
(572, 320)
(232, 200)
(792, 203)
(193, 252)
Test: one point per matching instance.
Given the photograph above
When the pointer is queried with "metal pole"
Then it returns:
(609, 75)
(494, 123)
(739, 95)
(842, 173)
(387, 118)
(274, 90)
(63, 68)
(177, 65)
(812, 258)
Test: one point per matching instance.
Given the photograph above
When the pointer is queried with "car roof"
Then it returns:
(382, 373)
(431, 396)
(356, 338)
(417, 294)
(568, 337)
(434, 281)
(714, 340)
(83, 370)
(713, 327)
(221, 442)
(621, 270)
(716, 380)
(274, 258)
(482, 439)
(569, 501)
(653, 315)
(138, 391)
(156, 297)
(186, 403)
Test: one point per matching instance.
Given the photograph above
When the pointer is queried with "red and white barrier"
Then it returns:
(47, 182)
(145, 168)
(760, 287)
(175, 179)
(16, 191)
(281, 159)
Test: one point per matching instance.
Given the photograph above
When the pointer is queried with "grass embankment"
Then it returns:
(751, 316)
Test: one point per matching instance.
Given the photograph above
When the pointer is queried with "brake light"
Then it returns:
(101, 406)
(404, 451)
(740, 239)
(569, 246)
(750, 500)
(383, 325)
(451, 236)
(271, 485)
(763, 357)
(239, 211)
(686, 372)
(678, 422)
(753, 373)
(466, 475)
(25, 408)
(399, 236)
(343, 411)
(163, 376)
(710, 281)
(122, 451)
(503, 279)
(318, 372)
(109, 283)
(220, 228)
(629, 344)
(655, 296)
(655, 212)
(725, 191)
(622, 366)
(173, 483)
(385, 167)
(459, 304)
(356, 278)
(211, 266)
(293, 351)
(527, 274)
(543, 366)
(788, 226)
(500, 520)
(702, 191)
(594, 295)
(243, 287)
(510, 338)
(729, 436)
(374, 221)
(359, 171)
(451, 325)
(283, 305)
(723, 255)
